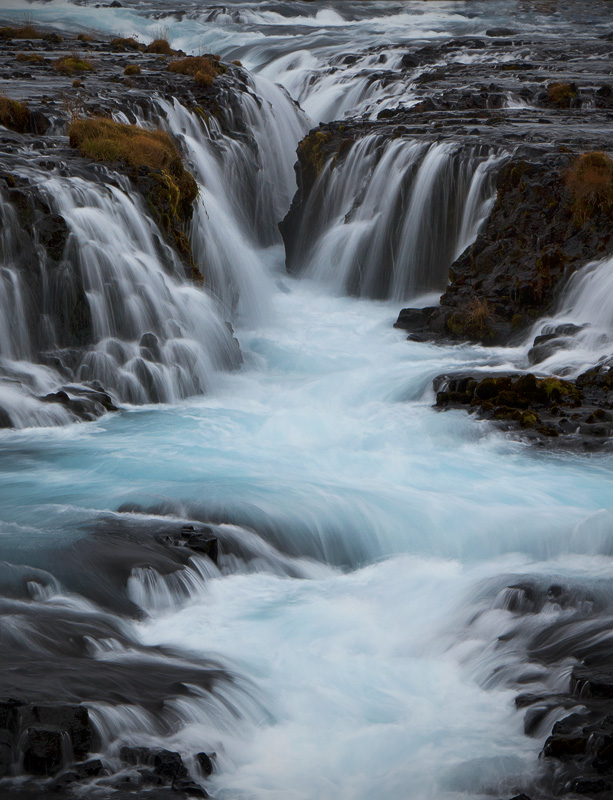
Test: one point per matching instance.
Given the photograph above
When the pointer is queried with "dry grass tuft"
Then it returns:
(127, 43)
(23, 32)
(204, 69)
(103, 139)
(590, 181)
(161, 47)
(29, 58)
(132, 69)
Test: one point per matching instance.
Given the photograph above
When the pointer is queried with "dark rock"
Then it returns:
(564, 747)
(43, 748)
(72, 720)
(190, 788)
(497, 32)
(205, 763)
(166, 764)
(583, 786)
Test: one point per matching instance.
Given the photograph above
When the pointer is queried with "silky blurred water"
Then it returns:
(368, 673)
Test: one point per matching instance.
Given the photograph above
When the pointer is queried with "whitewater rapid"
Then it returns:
(363, 631)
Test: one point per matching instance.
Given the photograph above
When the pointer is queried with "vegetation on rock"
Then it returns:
(204, 69)
(561, 94)
(132, 69)
(68, 65)
(127, 43)
(155, 165)
(161, 47)
(14, 115)
(23, 32)
(590, 181)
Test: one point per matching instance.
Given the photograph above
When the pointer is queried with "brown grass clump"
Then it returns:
(590, 181)
(132, 69)
(105, 140)
(14, 115)
(561, 94)
(127, 43)
(204, 69)
(237, 63)
(68, 65)
(29, 58)
(24, 32)
(84, 37)
(169, 188)
(161, 47)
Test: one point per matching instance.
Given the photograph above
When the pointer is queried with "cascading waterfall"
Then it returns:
(245, 188)
(385, 580)
(154, 337)
(388, 221)
(582, 328)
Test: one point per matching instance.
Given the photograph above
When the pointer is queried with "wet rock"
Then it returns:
(543, 408)
(72, 720)
(202, 540)
(43, 750)
(205, 763)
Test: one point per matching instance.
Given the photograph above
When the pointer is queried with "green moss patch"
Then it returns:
(14, 115)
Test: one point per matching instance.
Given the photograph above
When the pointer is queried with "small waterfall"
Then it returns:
(392, 217)
(115, 309)
(246, 184)
(581, 332)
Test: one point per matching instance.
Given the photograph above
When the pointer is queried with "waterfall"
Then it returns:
(388, 221)
(581, 331)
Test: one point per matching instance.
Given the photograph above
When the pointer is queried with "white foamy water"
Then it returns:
(366, 538)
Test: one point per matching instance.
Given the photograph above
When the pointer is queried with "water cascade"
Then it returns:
(388, 219)
(278, 570)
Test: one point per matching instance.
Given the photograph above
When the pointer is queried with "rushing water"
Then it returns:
(354, 626)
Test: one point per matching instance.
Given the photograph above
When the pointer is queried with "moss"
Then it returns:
(517, 321)
(204, 69)
(153, 159)
(529, 419)
(29, 58)
(590, 182)
(561, 94)
(14, 115)
(132, 69)
(68, 65)
(560, 391)
(161, 47)
(311, 150)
